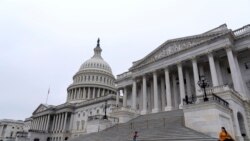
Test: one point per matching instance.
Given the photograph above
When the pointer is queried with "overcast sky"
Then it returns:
(43, 43)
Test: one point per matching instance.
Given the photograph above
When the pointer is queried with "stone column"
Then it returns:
(79, 93)
(34, 126)
(62, 122)
(232, 66)
(134, 95)
(84, 93)
(163, 95)
(196, 76)
(144, 95)
(56, 123)
(181, 83)
(98, 92)
(218, 69)
(168, 91)
(43, 123)
(53, 123)
(175, 95)
(89, 93)
(71, 121)
(59, 122)
(71, 95)
(117, 98)
(124, 97)
(243, 86)
(188, 82)
(103, 92)
(39, 122)
(93, 96)
(156, 100)
(65, 122)
(213, 69)
(48, 123)
(36, 123)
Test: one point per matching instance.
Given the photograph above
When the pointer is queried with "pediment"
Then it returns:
(175, 46)
(40, 108)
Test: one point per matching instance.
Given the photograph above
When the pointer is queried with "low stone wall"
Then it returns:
(208, 118)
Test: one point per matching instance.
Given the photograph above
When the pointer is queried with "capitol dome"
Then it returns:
(94, 79)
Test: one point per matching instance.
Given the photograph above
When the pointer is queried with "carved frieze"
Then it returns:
(172, 47)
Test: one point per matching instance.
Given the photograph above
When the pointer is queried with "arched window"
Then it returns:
(96, 78)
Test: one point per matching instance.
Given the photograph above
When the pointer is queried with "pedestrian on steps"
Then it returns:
(224, 135)
(135, 136)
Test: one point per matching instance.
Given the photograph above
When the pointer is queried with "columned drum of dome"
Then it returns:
(94, 79)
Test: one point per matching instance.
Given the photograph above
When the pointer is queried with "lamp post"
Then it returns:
(203, 83)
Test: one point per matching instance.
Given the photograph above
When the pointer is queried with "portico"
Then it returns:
(175, 76)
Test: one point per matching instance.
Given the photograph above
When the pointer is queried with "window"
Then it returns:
(77, 125)
(247, 65)
(83, 123)
(79, 115)
(97, 111)
(228, 70)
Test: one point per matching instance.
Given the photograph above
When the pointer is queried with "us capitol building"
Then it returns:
(206, 76)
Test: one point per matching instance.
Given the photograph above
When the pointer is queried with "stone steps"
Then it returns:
(164, 126)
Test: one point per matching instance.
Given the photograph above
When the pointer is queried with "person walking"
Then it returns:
(135, 136)
(224, 135)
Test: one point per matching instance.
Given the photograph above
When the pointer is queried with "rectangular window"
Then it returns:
(77, 125)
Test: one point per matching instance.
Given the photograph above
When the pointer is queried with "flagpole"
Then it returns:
(47, 95)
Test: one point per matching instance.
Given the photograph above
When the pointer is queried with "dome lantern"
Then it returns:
(97, 50)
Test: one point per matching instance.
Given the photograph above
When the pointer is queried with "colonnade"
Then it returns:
(86, 93)
(41, 123)
(170, 90)
(51, 123)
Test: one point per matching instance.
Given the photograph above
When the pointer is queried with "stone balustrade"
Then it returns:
(124, 75)
(243, 30)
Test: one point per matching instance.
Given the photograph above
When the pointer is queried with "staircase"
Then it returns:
(164, 126)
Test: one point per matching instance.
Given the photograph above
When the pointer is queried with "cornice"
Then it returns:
(140, 65)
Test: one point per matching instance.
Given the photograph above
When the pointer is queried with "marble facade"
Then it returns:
(165, 77)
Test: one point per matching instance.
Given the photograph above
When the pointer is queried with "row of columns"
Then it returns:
(168, 92)
(86, 93)
(41, 123)
(59, 122)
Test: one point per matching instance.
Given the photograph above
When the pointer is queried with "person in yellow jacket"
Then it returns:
(224, 135)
